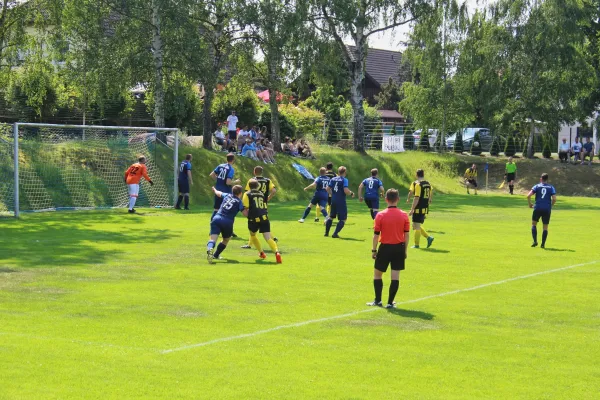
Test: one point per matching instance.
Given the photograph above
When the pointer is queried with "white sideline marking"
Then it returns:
(315, 321)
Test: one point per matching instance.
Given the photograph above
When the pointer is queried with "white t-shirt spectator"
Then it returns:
(244, 133)
(219, 134)
(232, 121)
(577, 147)
(564, 147)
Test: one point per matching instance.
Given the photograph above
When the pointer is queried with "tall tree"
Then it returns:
(546, 69)
(281, 33)
(358, 20)
(214, 28)
(13, 15)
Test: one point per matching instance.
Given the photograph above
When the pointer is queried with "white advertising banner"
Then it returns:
(393, 144)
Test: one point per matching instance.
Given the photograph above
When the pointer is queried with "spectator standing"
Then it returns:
(576, 150)
(232, 122)
(564, 151)
(588, 151)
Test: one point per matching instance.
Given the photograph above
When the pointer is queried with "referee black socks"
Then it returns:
(511, 187)
(378, 286)
(394, 285)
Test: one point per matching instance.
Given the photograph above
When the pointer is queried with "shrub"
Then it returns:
(495, 149)
(458, 143)
(238, 96)
(424, 141)
(304, 120)
(476, 150)
(409, 141)
(286, 128)
(510, 148)
(546, 151)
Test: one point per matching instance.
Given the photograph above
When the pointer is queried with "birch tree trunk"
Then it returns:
(157, 54)
(207, 117)
(531, 139)
(275, 128)
(356, 96)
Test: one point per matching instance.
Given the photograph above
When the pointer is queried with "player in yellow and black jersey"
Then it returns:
(266, 187)
(258, 219)
(420, 207)
(471, 178)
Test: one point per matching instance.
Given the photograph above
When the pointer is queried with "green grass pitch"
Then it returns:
(92, 303)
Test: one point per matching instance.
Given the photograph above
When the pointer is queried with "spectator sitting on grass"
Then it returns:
(268, 154)
(255, 133)
(564, 151)
(287, 146)
(242, 136)
(249, 150)
(221, 138)
(268, 147)
(305, 149)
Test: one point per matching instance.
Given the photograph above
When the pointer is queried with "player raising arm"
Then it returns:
(545, 198)
(133, 175)
(375, 189)
(320, 197)
(222, 222)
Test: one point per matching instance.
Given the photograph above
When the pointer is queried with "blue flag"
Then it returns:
(487, 166)
(303, 171)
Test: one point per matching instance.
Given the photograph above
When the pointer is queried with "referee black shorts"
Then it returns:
(510, 176)
(390, 254)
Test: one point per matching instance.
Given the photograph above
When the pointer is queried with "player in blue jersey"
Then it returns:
(184, 181)
(320, 197)
(374, 189)
(223, 174)
(222, 222)
(545, 198)
(338, 188)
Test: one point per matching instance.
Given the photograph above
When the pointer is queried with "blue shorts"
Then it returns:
(321, 201)
(339, 210)
(184, 186)
(372, 203)
(222, 226)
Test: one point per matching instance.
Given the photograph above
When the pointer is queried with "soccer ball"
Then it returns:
(475, 144)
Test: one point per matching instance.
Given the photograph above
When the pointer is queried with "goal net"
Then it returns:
(82, 167)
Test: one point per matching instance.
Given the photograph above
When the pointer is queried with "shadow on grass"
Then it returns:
(350, 239)
(559, 250)
(431, 250)
(411, 313)
(68, 239)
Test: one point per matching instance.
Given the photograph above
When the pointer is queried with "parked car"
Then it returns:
(485, 139)
(432, 136)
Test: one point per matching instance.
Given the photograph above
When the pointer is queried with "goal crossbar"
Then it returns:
(83, 128)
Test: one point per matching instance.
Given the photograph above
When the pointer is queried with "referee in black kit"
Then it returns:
(392, 230)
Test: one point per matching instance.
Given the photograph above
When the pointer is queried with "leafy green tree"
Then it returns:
(408, 141)
(237, 95)
(13, 15)
(476, 145)
(424, 141)
(546, 151)
(458, 143)
(357, 20)
(510, 149)
(495, 149)
(390, 96)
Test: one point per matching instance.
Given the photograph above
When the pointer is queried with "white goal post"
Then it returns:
(57, 167)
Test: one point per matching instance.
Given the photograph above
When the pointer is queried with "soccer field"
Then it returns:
(106, 305)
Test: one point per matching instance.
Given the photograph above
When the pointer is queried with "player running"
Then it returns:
(374, 189)
(338, 189)
(222, 222)
(420, 207)
(133, 175)
(471, 178)
(545, 198)
(223, 174)
(510, 174)
(268, 189)
(330, 174)
(320, 197)
(184, 181)
(258, 219)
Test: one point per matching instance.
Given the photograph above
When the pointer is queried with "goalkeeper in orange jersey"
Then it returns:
(133, 175)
